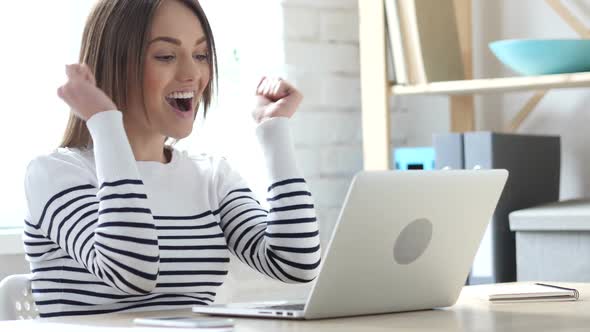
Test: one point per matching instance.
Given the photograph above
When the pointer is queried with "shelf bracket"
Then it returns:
(569, 18)
(528, 108)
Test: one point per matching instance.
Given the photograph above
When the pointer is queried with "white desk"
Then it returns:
(471, 313)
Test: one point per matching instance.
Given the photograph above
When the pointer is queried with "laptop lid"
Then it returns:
(404, 241)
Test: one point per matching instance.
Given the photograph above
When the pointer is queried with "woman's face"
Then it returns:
(176, 71)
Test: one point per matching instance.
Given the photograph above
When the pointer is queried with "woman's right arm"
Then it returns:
(108, 228)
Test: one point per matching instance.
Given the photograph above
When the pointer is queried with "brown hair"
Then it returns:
(114, 43)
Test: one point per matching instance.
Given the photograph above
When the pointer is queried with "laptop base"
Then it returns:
(278, 309)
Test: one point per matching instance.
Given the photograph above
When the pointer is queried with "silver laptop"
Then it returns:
(403, 241)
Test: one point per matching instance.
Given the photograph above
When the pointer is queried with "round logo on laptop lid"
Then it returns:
(412, 242)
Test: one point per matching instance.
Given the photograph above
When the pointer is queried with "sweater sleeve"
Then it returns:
(107, 228)
(283, 242)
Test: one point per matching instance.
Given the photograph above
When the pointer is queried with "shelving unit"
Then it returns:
(377, 90)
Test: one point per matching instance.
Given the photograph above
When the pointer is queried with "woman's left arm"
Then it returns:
(283, 242)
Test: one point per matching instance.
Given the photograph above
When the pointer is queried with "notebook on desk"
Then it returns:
(403, 241)
(533, 292)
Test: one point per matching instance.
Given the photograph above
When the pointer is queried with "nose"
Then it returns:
(188, 70)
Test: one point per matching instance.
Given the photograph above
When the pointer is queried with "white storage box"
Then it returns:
(553, 241)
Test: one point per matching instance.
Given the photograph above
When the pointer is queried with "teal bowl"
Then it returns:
(543, 56)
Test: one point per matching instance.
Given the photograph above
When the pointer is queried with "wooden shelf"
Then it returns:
(495, 85)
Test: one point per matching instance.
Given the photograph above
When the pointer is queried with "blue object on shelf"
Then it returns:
(414, 158)
(543, 56)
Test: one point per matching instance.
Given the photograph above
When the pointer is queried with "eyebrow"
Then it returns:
(174, 40)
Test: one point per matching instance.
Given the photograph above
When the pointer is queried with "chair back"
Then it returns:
(16, 300)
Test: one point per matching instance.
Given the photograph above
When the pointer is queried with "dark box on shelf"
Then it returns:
(533, 162)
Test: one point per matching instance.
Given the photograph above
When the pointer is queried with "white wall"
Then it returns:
(321, 48)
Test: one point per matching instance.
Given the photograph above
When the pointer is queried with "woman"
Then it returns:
(117, 220)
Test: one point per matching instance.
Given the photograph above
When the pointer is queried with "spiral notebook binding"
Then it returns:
(575, 291)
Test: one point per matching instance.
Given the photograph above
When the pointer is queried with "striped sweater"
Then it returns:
(106, 233)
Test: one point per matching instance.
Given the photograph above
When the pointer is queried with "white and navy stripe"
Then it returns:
(108, 231)
(254, 235)
(192, 250)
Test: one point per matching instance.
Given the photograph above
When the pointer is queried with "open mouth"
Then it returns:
(181, 104)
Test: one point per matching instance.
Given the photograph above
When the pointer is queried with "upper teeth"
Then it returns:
(181, 95)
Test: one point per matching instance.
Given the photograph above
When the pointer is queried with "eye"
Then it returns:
(202, 57)
(165, 58)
